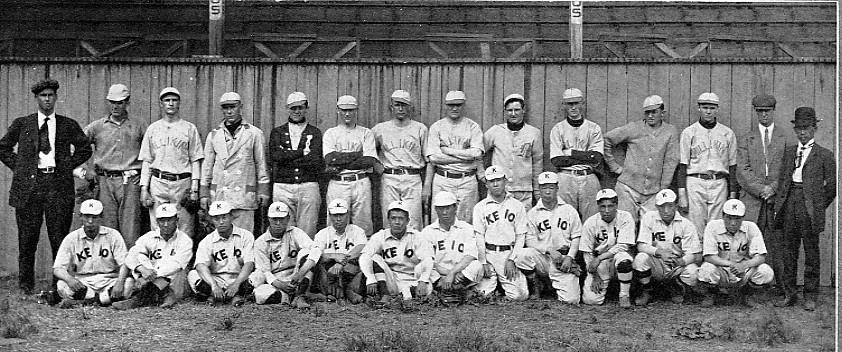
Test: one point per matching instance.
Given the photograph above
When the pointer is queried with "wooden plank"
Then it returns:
(742, 92)
(247, 85)
(473, 85)
(638, 90)
(204, 112)
(437, 49)
(763, 78)
(576, 76)
(699, 83)
(97, 90)
(264, 101)
(682, 108)
(553, 87)
(698, 49)
(788, 50)
(784, 91)
(659, 78)
(299, 50)
(118, 48)
(534, 95)
(667, 50)
(521, 50)
(804, 77)
(142, 100)
(17, 101)
(825, 105)
(616, 100)
(266, 51)
(90, 48)
(429, 85)
(720, 82)
(614, 49)
(320, 111)
(327, 93)
(173, 48)
(285, 83)
(493, 77)
(344, 50)
(485, 49)
(434, 94)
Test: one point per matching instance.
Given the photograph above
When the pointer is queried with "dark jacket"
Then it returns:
(23, 133)
(292, 166)
(819, 178)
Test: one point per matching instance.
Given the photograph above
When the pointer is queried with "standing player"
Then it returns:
(234, 169)
(454, 148)
(519, 147)
(606, 240)
(708, 161)
(576, 148)
(295, 151)
(341, 244)
(401, 142)
(283, 257)
(650, 158)
(350, 153)
(668, 248)
(500, 225)
(552, 243)
(735, 255)
(172, 155)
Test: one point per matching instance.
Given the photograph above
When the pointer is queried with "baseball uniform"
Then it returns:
(295, 150)
(353, 186)
(679, 237)
(741, 246)
(450, 247)
(225, 258)
(95, 262)
(521, 153)
(409, 259)
(279, 258)
(499, 226)
(577, 153)
(401, 150)
(456, 178)
(599, 237)
(166, 258)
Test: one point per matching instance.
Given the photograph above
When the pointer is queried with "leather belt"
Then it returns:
(402, 171)
(797, 184)
(449, 174)
(347, 178)
(584, 172)
(108, 173)
(47, 170)
(716, 176)
(496, 248)
(168, 176)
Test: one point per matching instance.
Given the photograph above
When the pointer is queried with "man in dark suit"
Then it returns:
(806, 187)
(42, 184)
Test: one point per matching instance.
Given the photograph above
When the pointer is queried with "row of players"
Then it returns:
(506, 245)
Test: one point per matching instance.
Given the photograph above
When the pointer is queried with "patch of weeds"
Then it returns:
(603, 344)
(770, 331)
(826, 319)
(466, 337)
(14, 324)
(729, 332)
(695, 330)
(227, 322)
(390, 340)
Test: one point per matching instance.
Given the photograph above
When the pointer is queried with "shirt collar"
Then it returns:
(111, 120)
(437, 225)
(234, 232)
(273, 238)
(409, 231)
(809, 144)
(541, 205)
(507, 197)
(41, 117)
(83, 235)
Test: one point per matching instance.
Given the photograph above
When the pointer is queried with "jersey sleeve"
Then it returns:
(586, 242)
(690, 239)
(64, 254)
(369, 145)
(476, 137)
(314, 252)
(196, 151)
(684, 146)
(328, 142)
(207, 165)
(470, 242)
(146, 154)
(556, 142)
(756, 243)
(138, 255)
(478, 221)
(433, 145)
(732, 148)
(575, 226)
(596, 142)
(709, 247)
(118, 248)
(203, 252)
(521, 222)
(248, 247)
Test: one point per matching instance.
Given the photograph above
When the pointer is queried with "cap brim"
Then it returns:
(455, 101)
(346, 106)
(572, 100)
(229, 102)
(296, 103)
(651, 107)
(402, 100)
(337, 212)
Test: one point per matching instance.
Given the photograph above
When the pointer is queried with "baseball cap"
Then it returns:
(398, 204)
(572, 95)
(494, 172)
(296, 99)
(652, 102)
(346, 102)
(44, 84)
(229, 98)
(219, 207)
(709, 98)
(91, 207)
(169, 90)
(402, 96)
(606, 193)
(117, 92)
(734, 207)
(278, 210)
(514, 96)
(337, 206)
(763, 101)
(665, 196)
(443, 199)
(547, 178)
(454, 97)
(166, 210)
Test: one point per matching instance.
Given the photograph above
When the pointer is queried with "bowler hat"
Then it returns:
(805, 117)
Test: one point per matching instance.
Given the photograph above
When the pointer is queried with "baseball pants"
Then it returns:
(173, 192)
(263, 290)
(524, 197)
(579, 191)
(223, 280)
(566, 285)
(705, 199)
(688, 274)
(472, 272)
(304, 201)
(466, 193)
(98, 285)
(358, 195)
(606, 270)
(515, 289)
(633, 201)
(406, 188)
(121, 206)
(718, 275)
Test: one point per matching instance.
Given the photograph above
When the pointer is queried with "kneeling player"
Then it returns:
(338, 271)
(224, 260)
(403, 259)
(159, 261)
(456, 269)
(735, 255)
(668, 248)
(283, 257)
(95, 255)
(606, 239)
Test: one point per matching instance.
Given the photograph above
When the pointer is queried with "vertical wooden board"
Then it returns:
(436, 93)
(614, 110)
(143, 95)
(492, 78)
(699, 83)
(365, 78)
(429, 94)
(535, 105)
(554, 84)
(638, 90)
(120, 73)
(763, 78)
(204, 78)
(97, 90)
(286, 76)
(784, 90)
(804, 76)
(307, 81)
(389, 79)
(577, 77)
(742, 92)
(682, 105)
(327, 92)
(264, 93)
(720, 83)
(473, 86)
(452, 78)
(249, 87)
(659, 78)
(349, 80)
(160, 80)
(16, 103)
(513, 82)
(825, 105)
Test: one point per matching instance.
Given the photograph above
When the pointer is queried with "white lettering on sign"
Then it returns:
(215, 8)
(576, 12)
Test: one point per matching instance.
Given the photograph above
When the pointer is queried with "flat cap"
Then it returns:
(708, 98)
(652, 102)
(230, 97)
(402, 96)
(44, 84)
(454, 97)
(763, 101)
(117, 92)
(169, 90)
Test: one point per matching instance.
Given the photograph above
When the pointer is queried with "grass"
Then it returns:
(770, 330)
(14, 324)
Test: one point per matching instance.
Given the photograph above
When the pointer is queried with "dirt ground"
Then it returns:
(502, 326)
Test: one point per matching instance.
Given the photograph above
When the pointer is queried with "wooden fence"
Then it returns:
(614, 92)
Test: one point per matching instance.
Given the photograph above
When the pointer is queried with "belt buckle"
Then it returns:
(48, 170)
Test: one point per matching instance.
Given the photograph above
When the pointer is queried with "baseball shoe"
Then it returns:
(677, 290)
(238, 301)
(300, 303)
(625, 302)
(809, 303)
(643, 299)
(169, 301)
(788, 300)
(315, 297)
(69, 303)
(127, 304)
(353, 297)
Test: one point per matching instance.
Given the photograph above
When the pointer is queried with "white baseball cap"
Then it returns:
(606, 193)
(734, 207)
(337, 206)
(168, 90)
(443, 199)
(652, 102)
(514, 96)
(709, 98)
(278, 210)
(219, 207)
(548, 177)
(402, 96)
(454, 97)
(166, 210)
(230, 97)
(346, 102)
(494, 172)
(398, 204)
(572, 95)
(117, 92)
(91, 207)
(665, 196)
(296, 99)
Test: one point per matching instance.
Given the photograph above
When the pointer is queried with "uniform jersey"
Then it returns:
(330, 242)
(343, 139)
(464, 135)
(450, 247)
(402, 255)
(522, 170)
(401, 147)
(552, 229)
(564, 138)
(165, 257)
(226, 256)
(600, 237)
(708, 150)
(678, 237)
(743, 245)
(501, 222)
(273, 255)
(84, 256)
(171, 147)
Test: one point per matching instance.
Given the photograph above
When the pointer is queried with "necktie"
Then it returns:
(44, 138)
(766, 142)
(800, 155)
